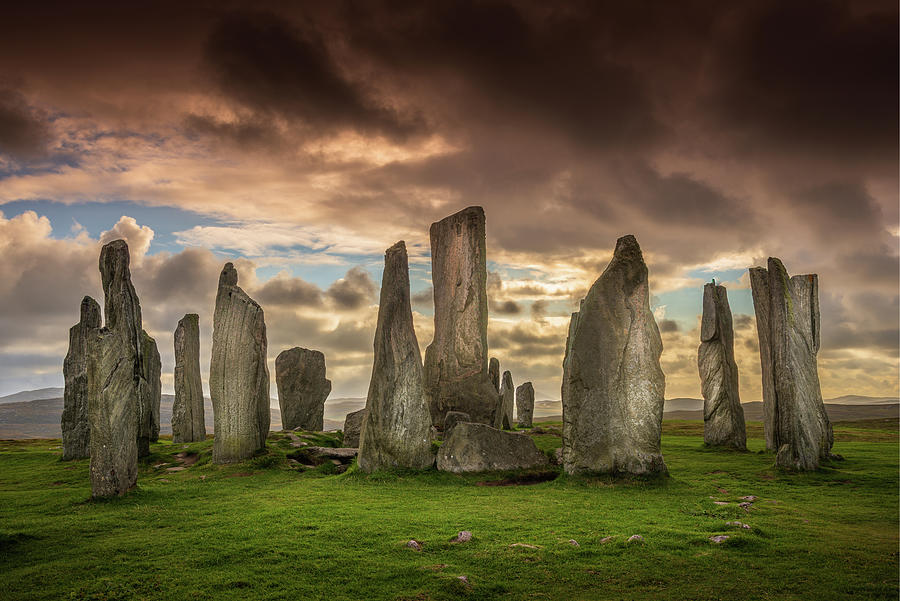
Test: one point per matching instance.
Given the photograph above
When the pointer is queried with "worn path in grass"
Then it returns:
(265, 529)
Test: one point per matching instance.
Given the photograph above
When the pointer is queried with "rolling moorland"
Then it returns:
(277, 527)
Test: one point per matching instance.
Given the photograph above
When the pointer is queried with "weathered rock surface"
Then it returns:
(613, 386)
(494, 372)
(454, 417)
(151, 393)
(480, 448)
(396, 431)
(238, 374)
(353, 427)
(115, 379)
(525, 405)
(188, 423)
(503, 418)
(787, 321)
(456, 362)
(320, 455)
(723, 417)
(76, 429)
(302, 388)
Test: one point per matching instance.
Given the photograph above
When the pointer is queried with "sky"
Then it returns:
(302, 142)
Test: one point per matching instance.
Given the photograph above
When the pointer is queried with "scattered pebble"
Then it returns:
(159, 465)
(203, 477)
(719, 538)
(464, 536)
(745, 506)
(738, 525)
(463, 579)
(574, 542)
(175, 469)
(636, 538)
(749, 498)
(606, 539)
(721, 503)
(414, 545)
(526, 545)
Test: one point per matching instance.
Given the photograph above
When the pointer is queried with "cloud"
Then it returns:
(667, 326)
(290, 292)
(137, 236)
(24, 133)
(353, 291)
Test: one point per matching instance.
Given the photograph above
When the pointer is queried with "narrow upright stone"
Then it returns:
(115, 379)
(788, 325)
(151, 393)
(238, 374)
(456, 361)
(76, 429)
(723, 416)
(188, 420)
(353, 428)
(613, 386)
(396, 430)
(494, 371)
(525, 405)
(503, 419)
(302, 388)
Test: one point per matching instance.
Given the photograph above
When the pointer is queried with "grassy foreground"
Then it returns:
(269, 529)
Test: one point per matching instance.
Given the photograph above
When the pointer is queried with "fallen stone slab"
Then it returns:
(474, 447)
(320, 455)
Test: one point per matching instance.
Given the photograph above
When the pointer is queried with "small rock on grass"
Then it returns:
(721, 503)
(636, 538)
(749, 498)
(574, 542)
(526, 545)
(738, 525)
(414, 545)
(719, 539)
(745, 506)
(463, 579)
(464, 536)
(606, 539)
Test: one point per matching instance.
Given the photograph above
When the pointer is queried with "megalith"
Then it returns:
(723, 416)
(151, 393)
(188, 419)
(525, 405)
(494, 372)
(76, 429)
(302, 388)
(238, 374)
(788, 325)
(480, 448)
(396, 431)
(456, 361)
(503, 418)
(613, 387)
(115, 379)
(353, 426)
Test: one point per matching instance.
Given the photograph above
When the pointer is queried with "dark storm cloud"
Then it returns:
(270, 65)
(354, 290)
(290, 292)
(667, 326)
(508, 307)
(23, 130)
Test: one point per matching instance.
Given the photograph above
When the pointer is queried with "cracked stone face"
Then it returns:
(188, 422)
(302, 388)
(76, 429)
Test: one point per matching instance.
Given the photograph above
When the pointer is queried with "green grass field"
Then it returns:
(265, 529)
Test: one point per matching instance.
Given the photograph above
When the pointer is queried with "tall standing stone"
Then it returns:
(188, 421)
(723, 416)
(788, 325)
(494, 372)
(302, 388)
(525, 405)
(76, 429)
(396, 430)
(151, 393)
(503, 419)
(238, 374)
(115, 379)
(613, 386)
(456, 362)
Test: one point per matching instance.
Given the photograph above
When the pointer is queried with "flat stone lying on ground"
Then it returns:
(474, 447)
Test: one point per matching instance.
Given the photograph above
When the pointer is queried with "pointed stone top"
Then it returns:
(627, 247)
(90, 312)
(398, 247)
(229, 276)
(190, 317)
(507, 379)
(113, 256)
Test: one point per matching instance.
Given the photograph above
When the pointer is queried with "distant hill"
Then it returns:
(32, 395)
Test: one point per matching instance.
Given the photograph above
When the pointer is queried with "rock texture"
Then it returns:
(613, 386)
(151, 393)
(188, 424)
(115, 379)
(525, 405)
(456, 362)
(479, 448)
(238, 374)
(353, 427)
(723, 417)
(494, 372)
(76, 430)
(396, 431)
(302, 388)
(454, 417)
(503, 418)
(787, 321)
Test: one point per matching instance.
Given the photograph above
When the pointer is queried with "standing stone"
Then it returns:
(494, 372)
(302, 388)
(503, 419)
(238, 374)
(353, 427)
(525, 405)
(456, 362)
(723, 416)
(115, 379)
(396, 431)
(151, 393)
(188, 421)
(613, 387)
(787, 322)
(76, 430)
